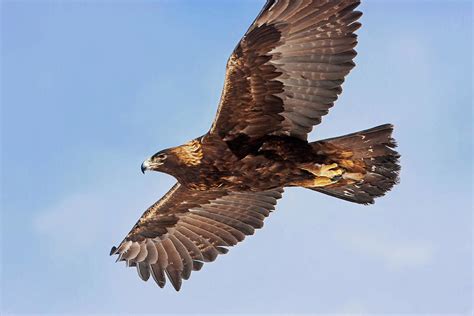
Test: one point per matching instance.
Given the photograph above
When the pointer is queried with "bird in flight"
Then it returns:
(282, 78)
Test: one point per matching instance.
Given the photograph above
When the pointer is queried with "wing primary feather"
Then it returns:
(152, 256)
(158, 274)
(143, 269)
(175, 264)
(185, 257)
(209, 252)
(132, 251)
(214, 239)
(162, 255)
(192, 249)
(158, 269)
(123, 247)
(113, 251)
(142, 254)
(233, 222)
(211, 226)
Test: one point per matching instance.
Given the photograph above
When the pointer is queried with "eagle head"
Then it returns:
(157, 162)
(187, 155)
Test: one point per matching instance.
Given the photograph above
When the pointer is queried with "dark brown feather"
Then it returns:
(294, 44)
(175, 267)
(158, 274)
(143, 270)
(282, 78)
(185, 257)
(199, 234)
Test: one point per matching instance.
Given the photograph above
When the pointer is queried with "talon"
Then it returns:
(327, 171)
(322, 182)
(325, 168)
(325, 174)
(335, 173)
(356, 176)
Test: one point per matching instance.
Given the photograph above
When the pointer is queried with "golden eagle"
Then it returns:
(282, 78)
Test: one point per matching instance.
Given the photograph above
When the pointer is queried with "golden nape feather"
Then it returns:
(281, 79)
(190, 153)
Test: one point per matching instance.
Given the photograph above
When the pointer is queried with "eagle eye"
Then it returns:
(161, 157)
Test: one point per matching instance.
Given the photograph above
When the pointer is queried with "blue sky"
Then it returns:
(89, 89)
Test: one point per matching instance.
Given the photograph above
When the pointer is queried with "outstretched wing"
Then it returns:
(186, 228)
(287, 71)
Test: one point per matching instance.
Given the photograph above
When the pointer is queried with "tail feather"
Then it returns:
(369, 152)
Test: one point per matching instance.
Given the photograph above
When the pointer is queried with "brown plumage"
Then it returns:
(283, 76)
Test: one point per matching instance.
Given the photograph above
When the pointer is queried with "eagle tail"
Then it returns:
(364, 164)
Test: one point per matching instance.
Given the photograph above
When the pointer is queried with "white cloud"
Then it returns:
(74, 222)
(395, 254)
(100, 216)
(354, 307)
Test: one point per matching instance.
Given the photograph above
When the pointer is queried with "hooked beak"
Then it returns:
(145, 166)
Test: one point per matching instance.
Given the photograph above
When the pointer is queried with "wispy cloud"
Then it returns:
(353, 307)
(395, 254)
(80, 220)
(73, 223)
